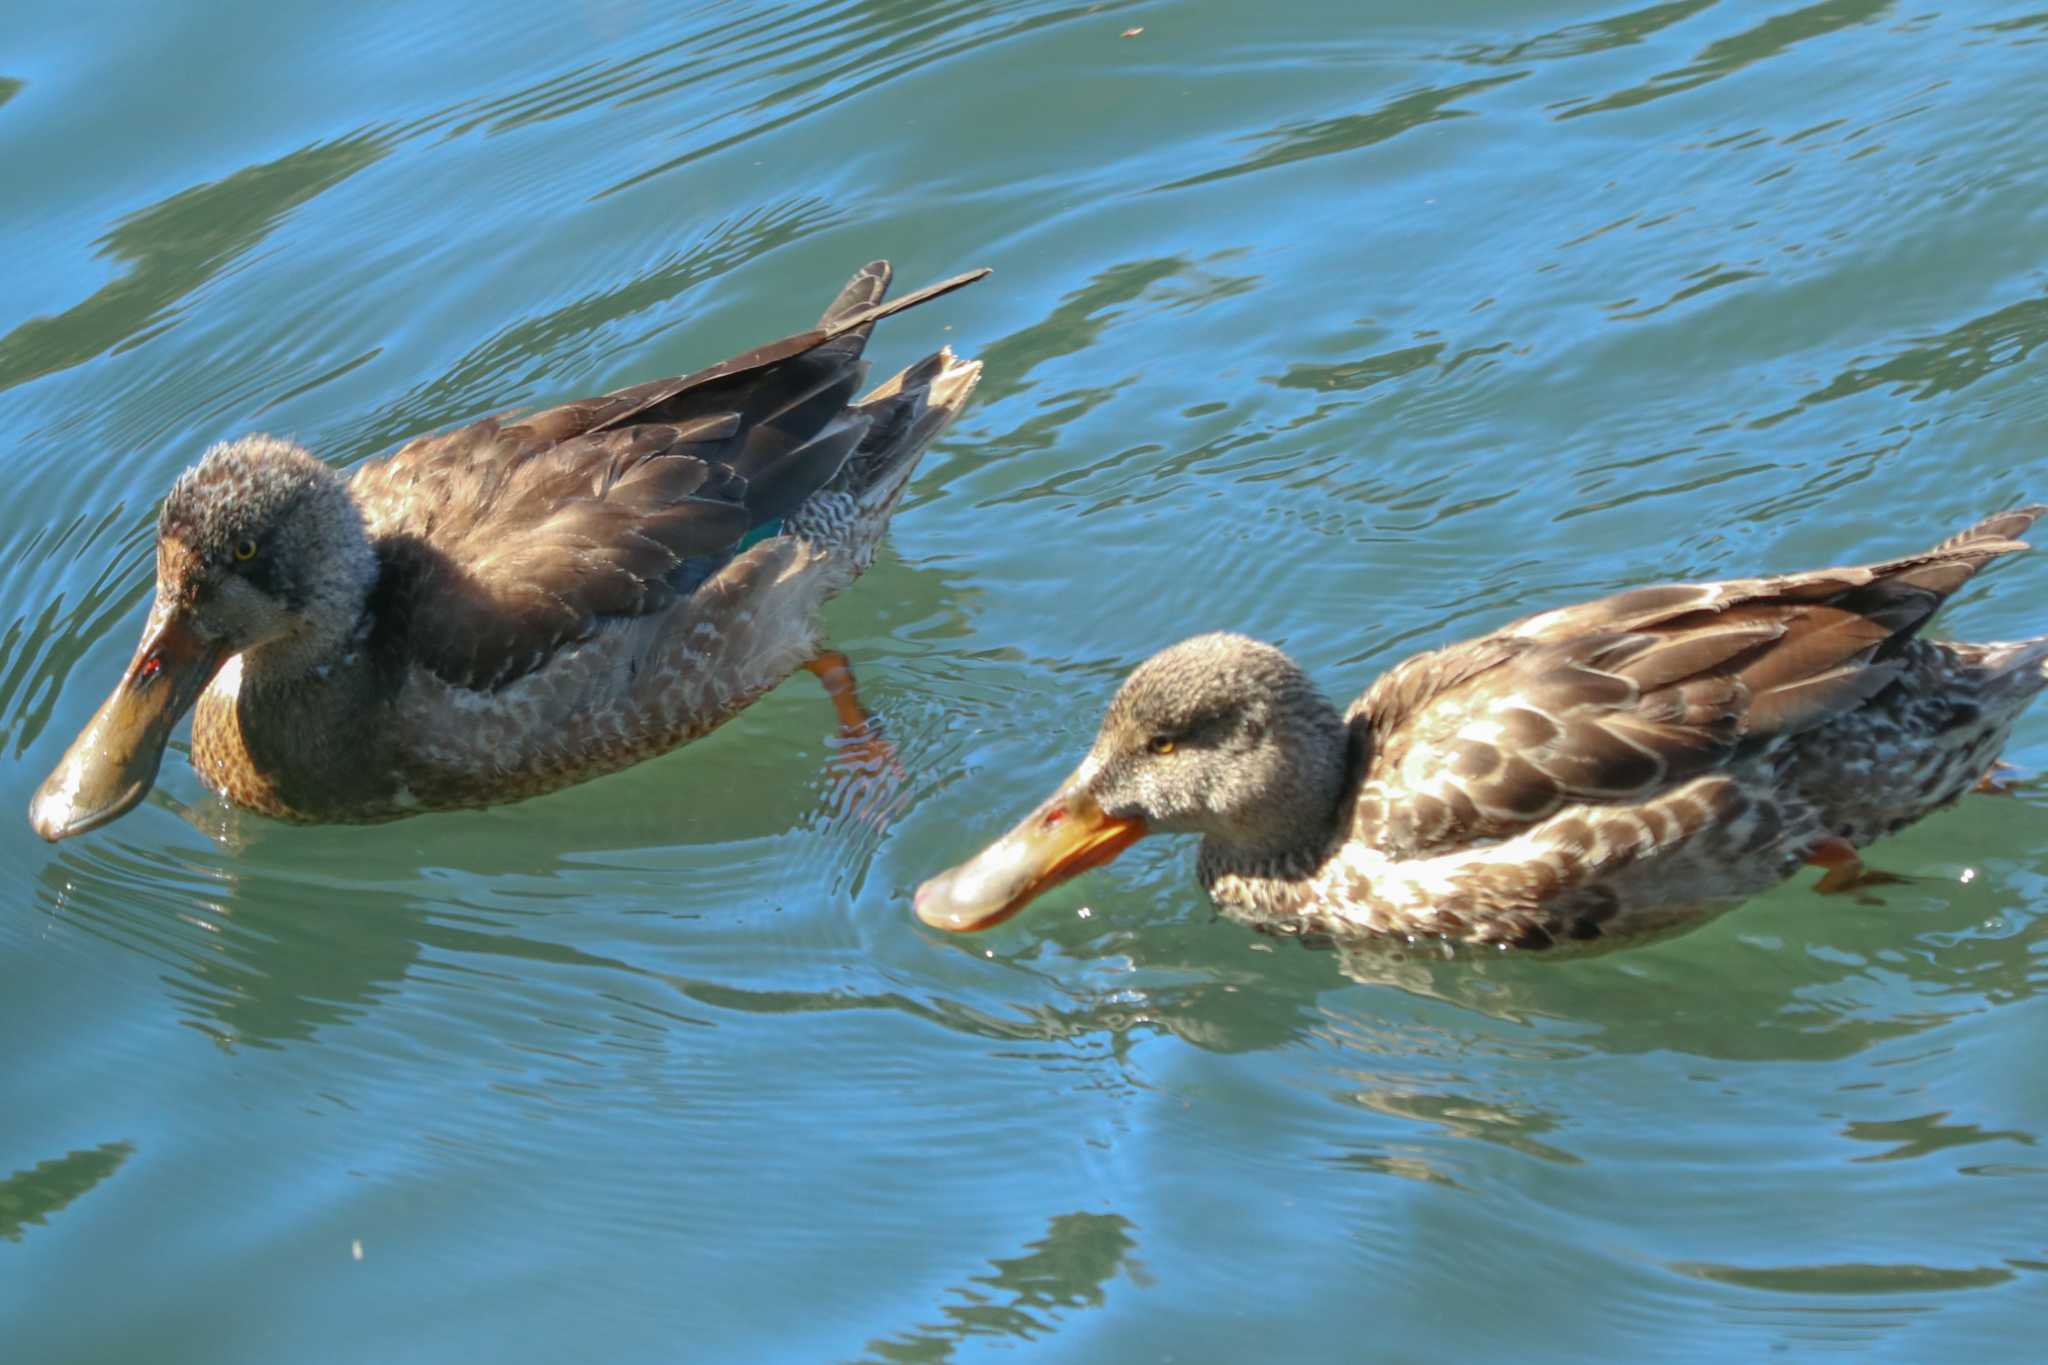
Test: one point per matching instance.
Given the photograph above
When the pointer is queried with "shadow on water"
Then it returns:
(1848, 1277)
(173, 248)
(1024, 1298)
(2026, 23)
(1926, 1134)
(29, 1197)
(1944, 363)
(1580, 40)
(1727, 56)
(1367, 371)
(1352, 132)
(1306, 140)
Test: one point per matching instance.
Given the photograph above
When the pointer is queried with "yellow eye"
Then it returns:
(245, 550)
(1159, 744)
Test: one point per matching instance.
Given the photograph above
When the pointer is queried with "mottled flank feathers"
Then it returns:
(1636, 760)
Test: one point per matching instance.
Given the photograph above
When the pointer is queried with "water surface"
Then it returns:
(1354, 329)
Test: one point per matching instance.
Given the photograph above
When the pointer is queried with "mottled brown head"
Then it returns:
(260, 541)
(258, 549)
(1225, 737)
(1220, 736)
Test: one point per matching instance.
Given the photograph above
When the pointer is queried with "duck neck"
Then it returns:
(1266, 864)
(332, 614)
(1270, 881)
(289, 727)
(281, 665)
(297, 689)
(294, 735)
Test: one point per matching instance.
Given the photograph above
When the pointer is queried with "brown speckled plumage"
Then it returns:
(520, 604)
(1602, 771)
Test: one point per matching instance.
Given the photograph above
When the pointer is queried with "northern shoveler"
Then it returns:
(1595, 772)
(517, 605)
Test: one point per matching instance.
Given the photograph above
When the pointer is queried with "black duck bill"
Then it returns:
(1067, 835)
(113, 763)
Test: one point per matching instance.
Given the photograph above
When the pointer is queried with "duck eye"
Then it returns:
(1160, 744)
(245, 549)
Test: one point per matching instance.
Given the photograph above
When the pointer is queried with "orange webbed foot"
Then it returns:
(1846, 870)
(868, 777)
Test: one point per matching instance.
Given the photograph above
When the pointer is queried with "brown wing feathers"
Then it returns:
(527, 554)
(865, 291)
(503, 541)
(1632, 694)
(648, 398)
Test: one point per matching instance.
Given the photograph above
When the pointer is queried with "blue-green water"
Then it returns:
(1356, 329)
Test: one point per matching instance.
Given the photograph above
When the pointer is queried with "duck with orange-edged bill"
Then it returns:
(1588, 775)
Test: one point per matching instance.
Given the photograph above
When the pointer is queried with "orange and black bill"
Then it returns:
(1064, 837)
(113, 762)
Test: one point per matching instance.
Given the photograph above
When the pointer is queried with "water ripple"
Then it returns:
(1450, 316)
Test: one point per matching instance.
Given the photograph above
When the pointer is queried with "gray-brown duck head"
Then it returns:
(1220, 736)
(259, 551)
